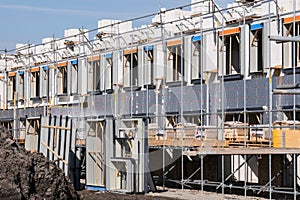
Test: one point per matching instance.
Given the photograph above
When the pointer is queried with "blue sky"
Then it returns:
(28, 21)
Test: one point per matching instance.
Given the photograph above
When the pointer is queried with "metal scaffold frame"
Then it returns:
(126, 110)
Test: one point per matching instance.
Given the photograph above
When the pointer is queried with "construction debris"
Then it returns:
(27, 175)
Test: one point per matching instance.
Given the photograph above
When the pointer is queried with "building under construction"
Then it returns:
(202, 97)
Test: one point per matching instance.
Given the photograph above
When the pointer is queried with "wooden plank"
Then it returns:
(230, 31)
(242, 151)
(52, 67)
(56, 155)
(174, 42)
(10, 74)
(93, 58)
(56, 127)
(35, 69)
(62, 64)
(291, 19)
(80, 142)
(130, 51)
(186, 142)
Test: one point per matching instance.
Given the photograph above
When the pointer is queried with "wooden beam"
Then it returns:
(173, 43)
(93, 58)
(62, 64)
(52, 67)
(242, 151)
(12, 74)
(55, 131)
(291, 19)
(35, 69)
(56, 155)
(130, 51)
(56, 127)
(230, 31)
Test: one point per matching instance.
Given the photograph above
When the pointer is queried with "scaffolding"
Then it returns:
(202, 97)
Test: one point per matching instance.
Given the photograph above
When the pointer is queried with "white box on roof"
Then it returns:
(108, 26)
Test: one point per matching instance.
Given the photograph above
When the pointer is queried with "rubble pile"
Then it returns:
(25, 175)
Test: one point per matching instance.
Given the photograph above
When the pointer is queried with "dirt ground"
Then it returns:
(93, 195)
(163, 195)
(25, 175)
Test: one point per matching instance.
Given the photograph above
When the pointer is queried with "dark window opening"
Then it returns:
(196, 60)
(175, 63)
(131, 61)
(232, 44)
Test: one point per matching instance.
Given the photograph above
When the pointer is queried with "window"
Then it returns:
(33, 127)
(234, 117)
(256, 48)
(148, 66)
(196, 58)
(232, 52)
(131, 67)
(8, 125)
(21, 85)
(96, 151)
(288, 47)
(94, 73)
(11, 86)
(35, 82)
(175, 65)
(62, 78)
(108, 71)
(44, 81)
(74, 77)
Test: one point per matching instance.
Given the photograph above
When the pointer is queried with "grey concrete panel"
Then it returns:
(172, 101)
(140, 102)
(152, 101)
(44, 135)
(32, 137)
(197, 99)
(93, 166)
(57, 137)
(62, 142)
(72, 154)
(99, 104)
(144, 102)
(94, 155)
(287, 100)
(31, 112)
(6, 114)
(231, 95)
(51, 141)
(125, 103)
(68, 149)
(110, 104)
(262, 92)
(251, 97)
(215, 97)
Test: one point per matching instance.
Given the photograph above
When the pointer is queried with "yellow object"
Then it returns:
(286, 138)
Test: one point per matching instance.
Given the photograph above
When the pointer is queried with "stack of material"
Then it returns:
(286, 134)
(154, 132)
(235, 130)
(186, 131)
(25, 175)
